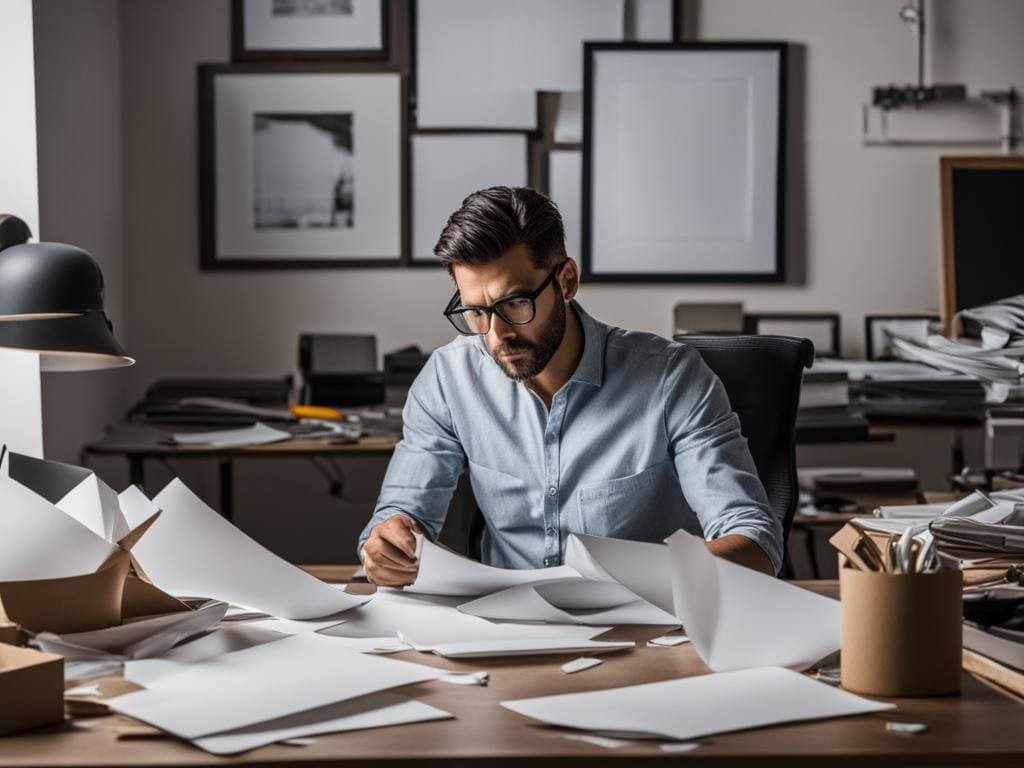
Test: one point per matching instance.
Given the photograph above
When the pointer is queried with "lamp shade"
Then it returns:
(48, 279)
(51, 302)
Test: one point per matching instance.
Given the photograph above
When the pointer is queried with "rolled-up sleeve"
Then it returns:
(427, 462)
(716, 472)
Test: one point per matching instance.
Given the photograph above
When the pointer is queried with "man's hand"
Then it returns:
(389, 555)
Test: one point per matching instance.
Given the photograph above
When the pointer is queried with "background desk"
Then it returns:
(980, 727)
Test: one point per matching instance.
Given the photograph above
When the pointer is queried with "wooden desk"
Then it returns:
(980, 727)
(139, 443)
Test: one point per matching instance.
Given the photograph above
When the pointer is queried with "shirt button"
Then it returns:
(551, 531)
(552, 491)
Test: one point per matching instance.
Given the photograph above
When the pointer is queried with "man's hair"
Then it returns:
(491, 221)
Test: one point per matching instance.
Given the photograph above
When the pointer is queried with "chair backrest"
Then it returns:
(762, 376)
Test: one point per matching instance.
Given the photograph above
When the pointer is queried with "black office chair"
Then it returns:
(762, 376)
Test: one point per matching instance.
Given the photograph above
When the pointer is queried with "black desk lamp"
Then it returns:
(51, 319)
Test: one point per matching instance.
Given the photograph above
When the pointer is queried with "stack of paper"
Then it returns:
(191, 551)
(692, 707)
(250, 697)
(737, 617)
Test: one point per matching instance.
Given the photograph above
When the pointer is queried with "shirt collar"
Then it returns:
(591, 366)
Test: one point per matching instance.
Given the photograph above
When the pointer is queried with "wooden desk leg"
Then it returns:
(224, 467)
(137, 472)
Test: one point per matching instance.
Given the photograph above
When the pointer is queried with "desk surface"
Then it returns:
(980, 727)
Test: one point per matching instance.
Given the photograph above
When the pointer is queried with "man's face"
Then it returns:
(521, 351)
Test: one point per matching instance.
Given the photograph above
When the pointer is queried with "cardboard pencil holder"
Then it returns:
(901, 633)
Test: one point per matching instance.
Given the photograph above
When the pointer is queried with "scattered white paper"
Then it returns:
(580, 664)
(737, 617)
(301, 742)
(906, 728)
(192, 551)
(572, 601)
(528, 647)
(135, 640)
(693, 707)
(39, 540)
(83, 691)
(686, 746)
(94, 504)
(642, 567)
(466, 678)
(668, 641)
(263, 683)
(258, 434)
(373, 711)
(445, 573)
(597, 741)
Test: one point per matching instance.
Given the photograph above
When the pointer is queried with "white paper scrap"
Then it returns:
(667, 641)
(738, 617)
(300, 742)
(597, 741)
(80, 691)
(672, 746)
(446, 573)
(693, 707)
(528, 647)
(466, 678)
(642, 567)
(580, 664)
(906, 728)
(191, 550)
(374, 711)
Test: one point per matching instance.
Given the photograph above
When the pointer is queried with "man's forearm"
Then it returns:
(739, 549)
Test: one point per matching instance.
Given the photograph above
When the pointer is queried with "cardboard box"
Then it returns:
(901, 633)
(31, 689)
(10, 633)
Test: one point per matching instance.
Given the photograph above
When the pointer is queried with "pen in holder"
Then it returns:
(901, 632)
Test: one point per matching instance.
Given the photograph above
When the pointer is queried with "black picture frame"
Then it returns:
(209, 259)
(240, 53)
(777, 275)
(752, 323)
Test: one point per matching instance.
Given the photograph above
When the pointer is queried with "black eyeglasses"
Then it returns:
(518, 309)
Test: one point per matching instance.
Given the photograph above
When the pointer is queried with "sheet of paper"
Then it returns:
(574, 601)
(264, 683)
(538, 44)
(426, 621)
(258, 434)
(736, 617)
(529, 647)
(93, 503)
(137, 639)
(446, 573)
(641, 567)
(40, 541)
(454, 84)
(693, 707)
(580, 664)
(374, 711)
(191, 551)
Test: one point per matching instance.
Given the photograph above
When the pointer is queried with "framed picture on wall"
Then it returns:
(683, 162)
(309, 29)
(446, 168)
(300, 166)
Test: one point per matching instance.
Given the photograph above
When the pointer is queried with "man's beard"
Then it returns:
(539, 353)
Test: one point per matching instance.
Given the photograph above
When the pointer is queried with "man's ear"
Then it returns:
(569, 279)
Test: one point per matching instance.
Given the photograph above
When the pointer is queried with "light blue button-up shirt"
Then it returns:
(639, 442)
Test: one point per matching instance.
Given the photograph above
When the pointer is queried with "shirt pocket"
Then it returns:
(642, 507)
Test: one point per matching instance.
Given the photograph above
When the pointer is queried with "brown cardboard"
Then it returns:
(10, 632)
(90, 601)
(901, 633)
(31, 689)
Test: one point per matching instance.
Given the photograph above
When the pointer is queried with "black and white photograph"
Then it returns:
(302, 30)
(300, 167)
(304, 171)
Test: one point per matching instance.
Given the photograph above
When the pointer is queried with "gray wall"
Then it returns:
(863, 224)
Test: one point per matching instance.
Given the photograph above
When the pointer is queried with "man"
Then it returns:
(566, 425)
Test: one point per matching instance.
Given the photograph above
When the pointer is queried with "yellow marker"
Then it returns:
(315, 412)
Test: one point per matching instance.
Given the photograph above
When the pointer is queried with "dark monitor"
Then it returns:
(337, 353)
